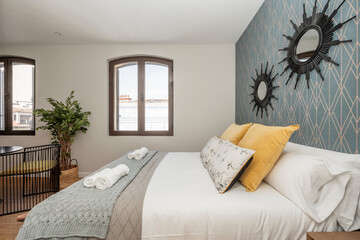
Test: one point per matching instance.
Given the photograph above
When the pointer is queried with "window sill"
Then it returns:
(18, 133)
(130, 133)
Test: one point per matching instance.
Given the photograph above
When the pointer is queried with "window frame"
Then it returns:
(141, 60)
(8, 95)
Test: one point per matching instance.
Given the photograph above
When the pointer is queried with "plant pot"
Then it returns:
(69, 176)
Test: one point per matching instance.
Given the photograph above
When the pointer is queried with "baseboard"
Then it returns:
(83, 174)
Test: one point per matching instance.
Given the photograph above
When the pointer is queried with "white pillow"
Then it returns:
(312, 183)
(348, 211)
(210, 150)
(227, 165)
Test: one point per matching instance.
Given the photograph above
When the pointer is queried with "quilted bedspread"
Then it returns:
(78, 212)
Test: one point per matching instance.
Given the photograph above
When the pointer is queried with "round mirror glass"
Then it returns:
(261, 91)
(307, 45)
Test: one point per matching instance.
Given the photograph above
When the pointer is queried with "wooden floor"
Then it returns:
(9, 227)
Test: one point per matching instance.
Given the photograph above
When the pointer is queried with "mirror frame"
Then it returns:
(265, 77)
(326, 27)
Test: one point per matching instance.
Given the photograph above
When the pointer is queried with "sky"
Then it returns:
(156, 81)
(22, 82)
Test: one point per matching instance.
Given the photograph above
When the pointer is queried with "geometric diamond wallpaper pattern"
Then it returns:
(328, 112)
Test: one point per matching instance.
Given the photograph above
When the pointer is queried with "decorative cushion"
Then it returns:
(234, 133)
(268, 142)
(210, 150)
(228, 164)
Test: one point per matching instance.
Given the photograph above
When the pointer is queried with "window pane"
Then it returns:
(156, 97)
(127, 97)
(23, 99)
(2, 98)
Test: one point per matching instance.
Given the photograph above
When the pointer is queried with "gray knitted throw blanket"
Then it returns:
(78, 211)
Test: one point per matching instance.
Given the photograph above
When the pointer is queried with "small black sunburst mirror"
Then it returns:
(263, 90)
(311, 42)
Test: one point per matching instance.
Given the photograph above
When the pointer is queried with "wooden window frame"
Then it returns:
(141, 60)
(8, 94)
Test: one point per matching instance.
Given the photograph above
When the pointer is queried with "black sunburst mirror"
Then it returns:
(263, 90)
(311, 42)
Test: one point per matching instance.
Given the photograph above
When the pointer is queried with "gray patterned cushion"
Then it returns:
(210, 150)
(227, 165)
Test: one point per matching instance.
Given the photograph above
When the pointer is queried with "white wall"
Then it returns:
(204, 91)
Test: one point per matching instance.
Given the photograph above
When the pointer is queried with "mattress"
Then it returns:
(181, 202)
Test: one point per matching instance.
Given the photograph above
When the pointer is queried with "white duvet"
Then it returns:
(182, 202)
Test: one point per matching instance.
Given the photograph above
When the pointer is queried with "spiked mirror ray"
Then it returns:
(263, 90)
(325, 27)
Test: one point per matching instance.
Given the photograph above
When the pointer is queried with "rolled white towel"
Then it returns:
(131, 155)
(139, 154)
(90, 181)
(111, 176)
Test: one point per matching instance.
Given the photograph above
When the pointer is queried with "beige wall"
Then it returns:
(204, 90)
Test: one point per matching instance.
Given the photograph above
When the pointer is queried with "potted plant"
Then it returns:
(64, 120)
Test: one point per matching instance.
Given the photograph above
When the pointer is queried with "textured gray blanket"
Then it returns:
(78, 211)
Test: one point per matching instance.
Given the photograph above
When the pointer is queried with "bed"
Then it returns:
(182, 203)
(173, 197)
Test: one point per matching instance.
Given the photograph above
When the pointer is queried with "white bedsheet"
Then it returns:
(182, 202)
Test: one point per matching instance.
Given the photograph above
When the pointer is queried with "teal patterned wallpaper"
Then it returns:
(328, 112)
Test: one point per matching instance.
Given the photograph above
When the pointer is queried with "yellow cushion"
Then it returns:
(30, 167)
(268, 144)
(234, 133)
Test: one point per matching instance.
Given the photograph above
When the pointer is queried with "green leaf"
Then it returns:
(63, 121)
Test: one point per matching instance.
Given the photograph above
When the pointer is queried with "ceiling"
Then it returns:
(125, 21)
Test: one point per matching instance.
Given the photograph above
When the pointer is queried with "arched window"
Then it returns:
(141, 96)
(17, 96)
